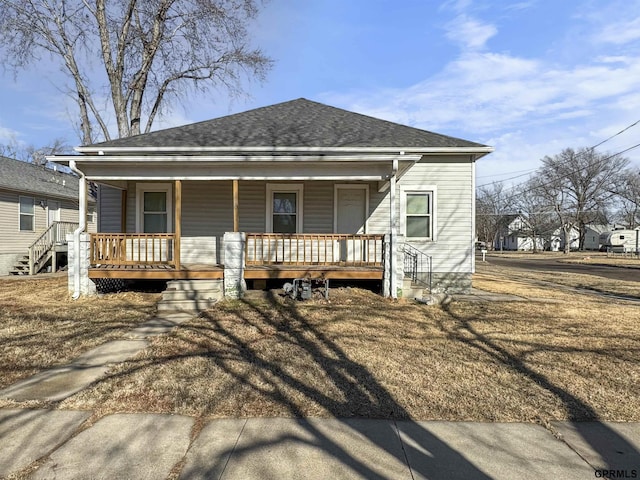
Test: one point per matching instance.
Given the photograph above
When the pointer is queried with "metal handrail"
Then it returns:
(415, 261)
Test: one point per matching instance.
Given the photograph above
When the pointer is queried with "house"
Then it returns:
(38, 207)
(293, 190)
(515, 233)
(592, 236)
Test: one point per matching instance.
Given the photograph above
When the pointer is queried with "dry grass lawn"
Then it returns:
(41, 326)
(363, 356)
(558, 355)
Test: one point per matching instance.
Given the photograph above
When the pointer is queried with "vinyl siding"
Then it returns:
(14, 241)
(109, 208)
(207, 212)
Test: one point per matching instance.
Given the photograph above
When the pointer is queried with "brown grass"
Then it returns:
(41, 326)
(363, 356)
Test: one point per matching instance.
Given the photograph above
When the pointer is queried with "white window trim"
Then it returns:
(33, 200)
(141, 188)
(404, 190)
(284, 187)
(351, 186)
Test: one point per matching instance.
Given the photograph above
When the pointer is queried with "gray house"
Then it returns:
(38, 207)
(296, 189)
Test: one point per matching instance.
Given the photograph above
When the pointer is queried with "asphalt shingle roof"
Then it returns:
(297, 123)
(29, 178)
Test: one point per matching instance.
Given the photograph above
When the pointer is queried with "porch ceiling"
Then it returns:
(156, 168)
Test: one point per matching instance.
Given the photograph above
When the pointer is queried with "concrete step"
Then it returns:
(214, 293)
(194, 305)
(195, 285)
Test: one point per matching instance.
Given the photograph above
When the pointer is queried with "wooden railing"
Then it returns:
(314, 249)
(132, 249)
(42, 247)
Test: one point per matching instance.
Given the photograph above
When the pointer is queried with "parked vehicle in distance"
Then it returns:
(620, 241)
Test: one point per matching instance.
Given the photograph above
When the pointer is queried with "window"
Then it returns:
(27, 214)
(153, 213)
(417, 212)
(284, 208)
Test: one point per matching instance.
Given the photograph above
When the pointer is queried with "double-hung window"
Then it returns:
(284, 208)
(418, 214)
(27, 214)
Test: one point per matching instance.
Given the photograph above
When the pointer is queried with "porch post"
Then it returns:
(178, 222)
(236, 217)
(393, 218)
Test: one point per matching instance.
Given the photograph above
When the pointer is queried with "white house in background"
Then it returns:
(297, 189)
(38, 207)
(514, 235)
(557, 241)
(592, 236)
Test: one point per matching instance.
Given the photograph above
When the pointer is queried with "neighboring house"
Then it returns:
(557, 241)
(592, 236)
(38, 207)
(297, 189)
(514, 235)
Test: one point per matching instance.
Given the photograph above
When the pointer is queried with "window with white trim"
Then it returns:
(153, 213)
(418, 214)
(27, 214)
(284, 208)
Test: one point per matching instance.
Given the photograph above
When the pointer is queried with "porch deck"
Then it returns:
(254, 272)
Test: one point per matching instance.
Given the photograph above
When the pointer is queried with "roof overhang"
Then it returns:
(478, 151)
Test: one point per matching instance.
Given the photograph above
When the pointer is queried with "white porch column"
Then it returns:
(234, 284)
(393, 218)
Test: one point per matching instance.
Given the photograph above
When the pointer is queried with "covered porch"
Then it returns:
(244, 219)
(264, 256)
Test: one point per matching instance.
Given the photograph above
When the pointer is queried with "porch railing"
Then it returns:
(119, 249)
(42, 247)
(314, 249)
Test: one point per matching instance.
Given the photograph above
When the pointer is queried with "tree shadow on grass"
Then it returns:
(361, 396)
(614, 450)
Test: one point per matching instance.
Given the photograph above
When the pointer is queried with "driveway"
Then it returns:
(549, 264)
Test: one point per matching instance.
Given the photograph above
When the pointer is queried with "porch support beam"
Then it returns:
(393, 219)
(236, 216)
(178, 221)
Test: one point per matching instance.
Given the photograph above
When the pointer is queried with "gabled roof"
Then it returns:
(297, 123)
(36, 179)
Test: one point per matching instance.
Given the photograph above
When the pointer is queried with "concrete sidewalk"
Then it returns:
(56, 444)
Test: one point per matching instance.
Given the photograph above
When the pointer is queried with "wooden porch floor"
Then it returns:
(252, 272)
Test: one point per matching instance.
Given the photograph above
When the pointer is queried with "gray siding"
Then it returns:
(109, 209)
(14, 241)
(207, 212)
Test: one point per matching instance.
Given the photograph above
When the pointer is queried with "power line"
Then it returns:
(589, 148)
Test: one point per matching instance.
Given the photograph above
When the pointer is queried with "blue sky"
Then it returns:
(527, 77)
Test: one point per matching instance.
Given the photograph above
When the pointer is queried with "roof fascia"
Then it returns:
(480, 150)
(239, 159)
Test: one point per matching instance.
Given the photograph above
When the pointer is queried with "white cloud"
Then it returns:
(469, 33)
(620, 33)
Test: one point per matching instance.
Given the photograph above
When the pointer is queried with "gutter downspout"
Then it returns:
(82, 226)
(394, 228)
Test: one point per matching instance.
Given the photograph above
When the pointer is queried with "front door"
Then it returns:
(53, 212)
(351, 217)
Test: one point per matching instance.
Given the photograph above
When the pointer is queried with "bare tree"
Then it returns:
(32, 154)
(538, 216)
(150, 52)
(492, 210)
(579, 186)
(628, 192)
